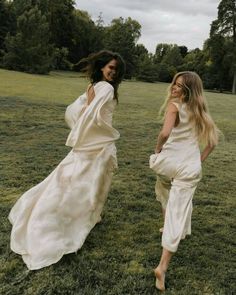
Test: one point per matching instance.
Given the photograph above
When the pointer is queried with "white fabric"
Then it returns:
(178, 168)
(54, 217)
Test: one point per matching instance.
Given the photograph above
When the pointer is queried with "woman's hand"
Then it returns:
(206, 152)
(157, 150)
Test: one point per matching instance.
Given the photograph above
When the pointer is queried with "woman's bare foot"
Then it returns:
(160, 279)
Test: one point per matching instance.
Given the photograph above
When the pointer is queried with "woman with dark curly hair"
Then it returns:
(54, 217)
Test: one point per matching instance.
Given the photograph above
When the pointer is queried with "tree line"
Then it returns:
(38, 36)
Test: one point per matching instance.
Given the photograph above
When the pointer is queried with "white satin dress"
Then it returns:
(54, 217)
(178, 169)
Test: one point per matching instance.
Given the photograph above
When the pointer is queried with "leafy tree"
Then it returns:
(173, 56)
(146, 70)
(87, 36)
(225, 26)
(60, 17)
(7, 21)
(29, 49)
(217, 66)
(195, 60)
(61, 22)
(122, 36)
(141, 50)
(60, 59)
(141, 53)
(20, 6)
(161, 51)
(166, 72)
(183, 50)
(168, 60)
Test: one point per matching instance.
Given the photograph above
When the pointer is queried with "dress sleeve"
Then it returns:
(105, 111)
(103, 92)
(73, 111)
(90, 119)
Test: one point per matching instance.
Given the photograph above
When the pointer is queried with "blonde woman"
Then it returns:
(177, 160)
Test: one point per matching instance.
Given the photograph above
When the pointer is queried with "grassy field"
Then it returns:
(120, 253)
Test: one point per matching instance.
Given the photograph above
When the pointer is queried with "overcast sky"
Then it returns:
(163, 21)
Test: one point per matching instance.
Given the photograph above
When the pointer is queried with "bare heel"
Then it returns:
(160, 279)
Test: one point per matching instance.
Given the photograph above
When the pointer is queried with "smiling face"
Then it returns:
(177, 88)
(109, 70)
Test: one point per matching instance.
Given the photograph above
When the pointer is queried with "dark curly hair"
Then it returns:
(93, 64)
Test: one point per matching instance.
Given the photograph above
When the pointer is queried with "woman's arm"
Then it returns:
(206, 152)
(169, 123)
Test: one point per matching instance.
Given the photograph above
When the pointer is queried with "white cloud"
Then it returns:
(163, 21)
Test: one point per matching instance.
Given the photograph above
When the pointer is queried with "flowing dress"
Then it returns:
(54, 217)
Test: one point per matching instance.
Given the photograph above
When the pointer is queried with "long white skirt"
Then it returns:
(54, 217)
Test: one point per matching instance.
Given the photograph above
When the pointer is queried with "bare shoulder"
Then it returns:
(172, 107)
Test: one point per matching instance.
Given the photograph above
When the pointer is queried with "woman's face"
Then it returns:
(177, 88)
(109, 70)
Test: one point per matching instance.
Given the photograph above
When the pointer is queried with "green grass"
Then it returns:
(120, 253)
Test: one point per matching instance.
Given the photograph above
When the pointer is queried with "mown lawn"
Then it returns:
(120, 253)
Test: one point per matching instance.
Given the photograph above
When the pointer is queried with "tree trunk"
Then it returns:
(234, 83)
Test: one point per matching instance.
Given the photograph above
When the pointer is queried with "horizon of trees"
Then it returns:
(37, 36)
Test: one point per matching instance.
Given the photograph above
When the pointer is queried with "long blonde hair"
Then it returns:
(200, 117)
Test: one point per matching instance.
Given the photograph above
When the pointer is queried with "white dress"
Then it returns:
(178, 169)
(54, 217)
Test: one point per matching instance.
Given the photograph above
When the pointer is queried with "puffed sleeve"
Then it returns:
(85, 129)
(73, 111)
